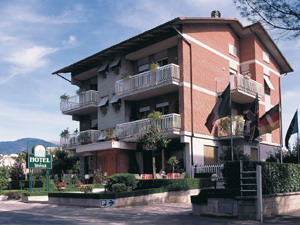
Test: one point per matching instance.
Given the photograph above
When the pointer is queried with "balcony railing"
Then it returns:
(169, 122)
(147, 79)
(237, 127)
(84, 137)
(241, 83)
(86, 98)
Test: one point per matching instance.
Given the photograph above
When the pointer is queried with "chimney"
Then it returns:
(215, 14)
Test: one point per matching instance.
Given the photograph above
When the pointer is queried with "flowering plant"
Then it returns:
(61, 185)
(78, 184)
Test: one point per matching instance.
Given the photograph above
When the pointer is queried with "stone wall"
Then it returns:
(166, 197)
(245, 207)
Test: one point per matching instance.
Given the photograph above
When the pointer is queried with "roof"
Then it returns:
(166, 30)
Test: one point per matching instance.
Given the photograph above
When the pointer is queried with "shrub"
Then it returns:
(276, 177)
(127, 179)
(78, 185)
(15, 184)
(87, 188)
(175, 184)
(118, 187)
(4, 177)
(61, 185)
(13, 195)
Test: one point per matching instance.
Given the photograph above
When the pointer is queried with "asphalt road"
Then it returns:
(14, 212)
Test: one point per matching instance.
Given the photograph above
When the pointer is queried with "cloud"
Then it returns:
(30, 58)
(71, 42)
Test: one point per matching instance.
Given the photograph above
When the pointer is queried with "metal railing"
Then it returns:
(83, 99)
(216, 168)
(237, 126)
(241, 83)
(169, 122)
(147, 79)
(83, 137)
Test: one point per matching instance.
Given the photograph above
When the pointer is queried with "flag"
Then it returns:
(251, 122)
(293, 129)
(221, 109)
(269, 121)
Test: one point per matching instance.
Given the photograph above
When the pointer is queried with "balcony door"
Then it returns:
(210, 155)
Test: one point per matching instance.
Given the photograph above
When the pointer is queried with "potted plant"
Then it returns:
(65, 133)
(110, 134)
(80, 91)
(84, 138)
(64, 97)
(154, 66)
(61, 185)
(126, 76)
(173, 162)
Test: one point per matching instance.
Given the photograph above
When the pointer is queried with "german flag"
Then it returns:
(269, 121)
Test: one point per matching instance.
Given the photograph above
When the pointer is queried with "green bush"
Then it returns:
(13, 195)
(276, 177)
(15, 184)
(4, 176)
(122, 178)
(87, 188)
(203, 175)
(119, 187)
(175, 184)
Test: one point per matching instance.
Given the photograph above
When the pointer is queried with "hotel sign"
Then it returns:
(40, 162)
(39, 159)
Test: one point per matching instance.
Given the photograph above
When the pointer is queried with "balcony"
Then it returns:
(150, 83)
(243, 89)
(223, 127)
(84, 103)
(169, 124)
(75, 139)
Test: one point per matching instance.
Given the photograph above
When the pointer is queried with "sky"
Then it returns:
(38, 37)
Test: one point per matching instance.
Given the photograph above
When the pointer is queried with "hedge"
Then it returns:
(276, 177)
(175, 184)
(14, 184)
(145, 187)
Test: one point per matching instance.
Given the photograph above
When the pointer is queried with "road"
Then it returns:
(16, 213)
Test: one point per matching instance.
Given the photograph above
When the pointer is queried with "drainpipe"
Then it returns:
(191, 92)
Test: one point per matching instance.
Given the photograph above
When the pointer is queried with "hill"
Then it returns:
(10, 147)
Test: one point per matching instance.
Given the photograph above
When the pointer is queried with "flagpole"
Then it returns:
(231, 140)
(280, 121)
(297, 143)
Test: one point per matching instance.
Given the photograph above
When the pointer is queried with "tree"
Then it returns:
(238, 154)
(289, 156)
(64, 162)
(4, 177)
(152, 140)
(282, 15)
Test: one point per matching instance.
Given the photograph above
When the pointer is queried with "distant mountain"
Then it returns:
(10, 147)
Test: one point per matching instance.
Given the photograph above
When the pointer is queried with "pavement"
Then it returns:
(14, 212)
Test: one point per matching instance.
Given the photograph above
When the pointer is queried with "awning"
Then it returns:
(103, 101)
(102, 67)
(267, 79)
(101, 137)
(115, 62)
(114, 99)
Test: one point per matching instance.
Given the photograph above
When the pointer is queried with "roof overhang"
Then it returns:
(165, 31)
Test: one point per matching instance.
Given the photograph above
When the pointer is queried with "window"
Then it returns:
(232, 72)
(163, 107)
(210, 155)
(115, 65)
(254, 154)
(162, 62)
(266, 57)
(144, 112)
(103, 104)
(103, 70)
(232, 50)
(143, 68)
(268, 85)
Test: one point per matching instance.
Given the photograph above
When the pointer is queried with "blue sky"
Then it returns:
(38, 37)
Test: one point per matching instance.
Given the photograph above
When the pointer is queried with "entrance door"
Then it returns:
(107, 161)
(210, 155)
